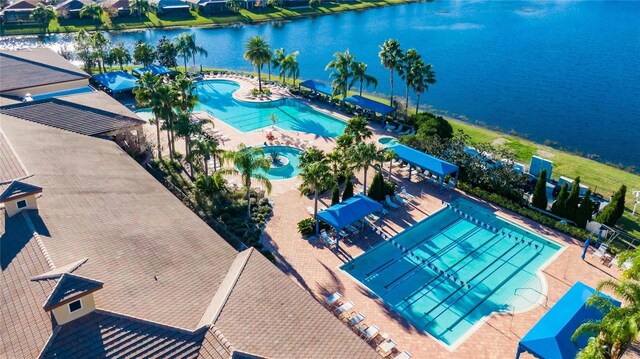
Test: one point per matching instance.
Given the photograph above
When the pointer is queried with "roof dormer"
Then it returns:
(72, 297)
(19, 196)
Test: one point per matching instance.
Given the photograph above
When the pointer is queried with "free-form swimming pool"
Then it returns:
(288, 162)
(216, 97)
(451, 270)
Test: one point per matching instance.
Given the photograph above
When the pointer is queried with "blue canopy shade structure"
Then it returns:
(317, 86)
(369, 104)
(420, 159)
(154, 69)
(343, 214)
(551, 336)
(116, 82)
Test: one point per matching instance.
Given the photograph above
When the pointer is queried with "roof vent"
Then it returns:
(19, 196)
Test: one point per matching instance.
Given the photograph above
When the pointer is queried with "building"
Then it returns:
(171, 7)
(99, 260)
(19, 11)
(70, 9)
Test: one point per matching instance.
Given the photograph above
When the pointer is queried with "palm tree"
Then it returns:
(205, 148)
(139, 7)
(249, 162)
(120, 55)
(389, 155)
(359, 129)
(187, 128)
(310, 156)
(359, 71)
(186, 93)
(144, 92)
(390, 55)
(182, 45)
(341, 73)
(43, 15)
(362, 156)
(407, 72)
(192, 47)
(92, 10)
(277, 62)
(257, 53)
(424, 76)
(335, 161)
(234, 5)
(315, 178)
(99, 44)
(164, 100)
(292, 66)
(143, 54)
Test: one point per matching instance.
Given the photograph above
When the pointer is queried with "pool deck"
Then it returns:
(316, 268)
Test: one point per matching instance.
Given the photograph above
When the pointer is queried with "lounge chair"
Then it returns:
(406, 194)
(404, 355)
(390, 202)
(356, 319)
(383, 211)
(369, 333)
(405, 132)
(373, 218)
(386, 347)
(330, 242)
(346, 307)
(333, 300)
(399, 199)
(601, 251)
(390, 127)
(399, 129)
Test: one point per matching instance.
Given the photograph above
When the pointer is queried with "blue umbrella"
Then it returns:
(586, 247)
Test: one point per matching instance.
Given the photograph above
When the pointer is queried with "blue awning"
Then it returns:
(343, 214)
(154, 69)
(117, 81)
(551, 336)
(317, 86)
(369, 104)
(423, 160)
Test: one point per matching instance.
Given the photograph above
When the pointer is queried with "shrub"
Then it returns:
(571, 205)
(558, 207)
(335, 195)
(614, 210)
(389, 188)
(348, 190)
(307, 227)
(429, 124)
(583, 214)
(377, 188)
(539, 199)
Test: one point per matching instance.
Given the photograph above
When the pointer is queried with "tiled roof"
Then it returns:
(24, 326)
(23, 4)
(102, 334)
(269, 315)
(35, 67)
(70, 286)
(10, 166)
(70, 116)
(18, 189)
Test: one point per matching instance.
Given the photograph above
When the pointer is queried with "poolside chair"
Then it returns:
(385, 348)
(356, 319)
(399, 129)
(390, 202)
(333, 300)
(383, 211)
(346, 307)
(406, 194)
(400, 199)
(372, 217)
(405, 132)
(390, 127)
(328, 241)
(369, 333)
(404, 355)
(601, 251)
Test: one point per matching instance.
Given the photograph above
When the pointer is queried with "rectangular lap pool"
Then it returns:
(451, 270)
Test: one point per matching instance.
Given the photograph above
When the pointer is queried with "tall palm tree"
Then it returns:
(187, 128)
(164, 100)
(143, 54)
(192, 47)
(390, 56)
(359, 71)
(277, 62)
(249, 162)
(335, 161)
(292, 67)
(359, 129)
(144, 92)
(315, 178)
(310, 156)
(186, 92)
(120, 55)
(43, 15)
(139, 7)
(407, 72)
(206, 148)
(389, 155)
(362, 155)
(341, 72)
(257, 53)
(92, 10)
(182, 46)
(424, 76)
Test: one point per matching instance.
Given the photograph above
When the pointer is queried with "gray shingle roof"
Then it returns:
(35, 67)
(10, 166)
(70, 116)
(70, 286)
(18, 189)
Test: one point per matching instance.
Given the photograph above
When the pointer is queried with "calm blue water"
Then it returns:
(448, 272)
(565, 71)
(216, 98)
(285, 171)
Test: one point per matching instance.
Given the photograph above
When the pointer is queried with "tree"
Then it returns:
(187, 48)
(359, 129)
(277, 62)
(292, 67)
(619, 208)
(257, 53)
(144, 92)
(249, 162)
(43, 15)
(143, 54)
(389, 155)
(186, 128)
(275, 3)
(234, 5)
(376, 191)
(139, 7)
(164, 101)
(315, 179)
(314, 3)
(341, 72)
(348, 190)
(83, 49)
(310, 156)
(362, 156)
(407, 70)
(390, 56)
(167, 53)
(615, 209)
(359, 73)
(559, 207)
(539, 199)
(99, 44)
(335, 194)
(120, 55)
(429, 125)
(585, 211)
(423, 77)
(205, 148)
(571, 205)
(92, 10)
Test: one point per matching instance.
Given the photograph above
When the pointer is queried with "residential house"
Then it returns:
(18, 11)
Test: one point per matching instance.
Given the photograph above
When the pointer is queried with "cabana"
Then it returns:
(115, 83)
(343, 214)
(317, 86)
(551, 336)
(369, 104)
(154, 69)
(432, 164)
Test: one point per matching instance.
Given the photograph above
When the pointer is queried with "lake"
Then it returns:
(565, 72)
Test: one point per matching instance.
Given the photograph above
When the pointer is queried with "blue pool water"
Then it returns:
(447, 272)
(216, 98)
(288, 170)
